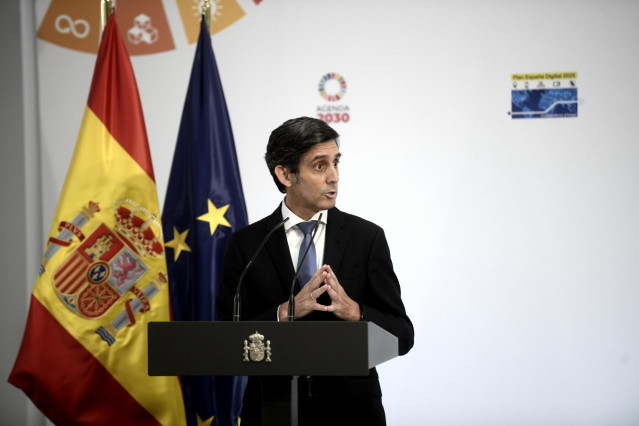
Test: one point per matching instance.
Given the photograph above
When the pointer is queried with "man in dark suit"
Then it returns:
(354, 278)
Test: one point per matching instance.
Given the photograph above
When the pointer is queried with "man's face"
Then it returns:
(314, 188)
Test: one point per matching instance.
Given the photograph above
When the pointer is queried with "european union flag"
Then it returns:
(204, 204)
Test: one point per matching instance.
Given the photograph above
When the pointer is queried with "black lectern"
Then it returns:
(268, 348)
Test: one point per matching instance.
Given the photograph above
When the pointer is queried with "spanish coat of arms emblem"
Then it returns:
(257, 351)
(107, 265)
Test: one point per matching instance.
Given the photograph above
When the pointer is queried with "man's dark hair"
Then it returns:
(289, 142)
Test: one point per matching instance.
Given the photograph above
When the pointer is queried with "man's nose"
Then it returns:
(333, 174)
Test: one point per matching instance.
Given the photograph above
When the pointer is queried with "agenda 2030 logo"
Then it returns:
(332, 88)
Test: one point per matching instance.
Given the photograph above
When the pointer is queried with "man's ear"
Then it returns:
(284, 175)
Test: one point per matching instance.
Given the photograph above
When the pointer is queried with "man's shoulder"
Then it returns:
(253, 228)
(336, 218)
(259, 228)
(342, 218)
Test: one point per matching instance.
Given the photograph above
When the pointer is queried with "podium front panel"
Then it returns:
(256, 348)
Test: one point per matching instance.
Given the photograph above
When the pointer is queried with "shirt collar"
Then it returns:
(294, 219)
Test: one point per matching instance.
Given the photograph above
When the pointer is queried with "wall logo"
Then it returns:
(335, 93)
(64, 24)
(142, 31)
(332, 88)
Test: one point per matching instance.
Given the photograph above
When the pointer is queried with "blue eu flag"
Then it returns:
(204, 204)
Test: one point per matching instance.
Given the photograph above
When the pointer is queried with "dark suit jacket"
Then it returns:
(357, 252)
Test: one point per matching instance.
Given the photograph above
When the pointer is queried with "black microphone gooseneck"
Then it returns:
(237, 300)
(291, 298)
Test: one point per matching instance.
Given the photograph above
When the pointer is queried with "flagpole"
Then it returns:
(106, 10)
(206, 11)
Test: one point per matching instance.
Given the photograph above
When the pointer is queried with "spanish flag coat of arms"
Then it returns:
(83, 358)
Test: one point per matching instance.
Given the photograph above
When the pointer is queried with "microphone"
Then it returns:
(291, 299)
(237, 300)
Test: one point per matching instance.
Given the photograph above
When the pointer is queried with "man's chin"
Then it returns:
(328, 204)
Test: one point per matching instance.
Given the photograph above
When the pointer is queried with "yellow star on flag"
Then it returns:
(215, 216)
(178, 243)
(205, 422)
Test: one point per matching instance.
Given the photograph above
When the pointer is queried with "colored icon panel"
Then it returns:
(144, 26)
(75, 24)
(223, 14)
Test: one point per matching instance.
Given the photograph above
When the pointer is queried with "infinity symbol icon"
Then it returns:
(71, 26)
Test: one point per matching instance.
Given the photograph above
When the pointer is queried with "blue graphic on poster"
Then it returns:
(543, 103)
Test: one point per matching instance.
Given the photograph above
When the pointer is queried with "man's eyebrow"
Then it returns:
(324, 156)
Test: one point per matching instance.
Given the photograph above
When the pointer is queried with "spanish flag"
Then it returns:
(83, 358)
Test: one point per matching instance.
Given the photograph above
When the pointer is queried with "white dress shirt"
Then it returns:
(294, 235)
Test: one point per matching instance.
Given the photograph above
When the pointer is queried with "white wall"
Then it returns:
(516, 241)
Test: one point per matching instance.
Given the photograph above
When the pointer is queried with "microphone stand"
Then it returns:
(237, 300)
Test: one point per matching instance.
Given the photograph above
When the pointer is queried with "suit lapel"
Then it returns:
(336, 237)
(277, 248)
